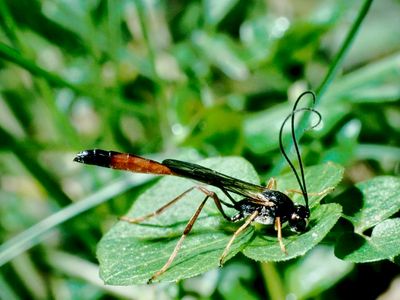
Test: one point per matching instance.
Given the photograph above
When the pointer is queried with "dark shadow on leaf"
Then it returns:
(368, 232)
(199, 221)
(351, 200)
(268, 234)
(266, 231)
(396, 260)
(312, 224)
(223, 226)
(348, 243)
(171, 236)
(341, 227)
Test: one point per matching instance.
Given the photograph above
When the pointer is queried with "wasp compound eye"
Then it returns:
(299, 219)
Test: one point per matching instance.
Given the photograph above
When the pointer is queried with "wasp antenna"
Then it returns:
(300, 179)
(305, 194)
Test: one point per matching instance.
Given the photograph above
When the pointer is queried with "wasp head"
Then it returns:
(298, 220)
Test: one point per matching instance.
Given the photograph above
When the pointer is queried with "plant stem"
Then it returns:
(336, 63)
(272, 281)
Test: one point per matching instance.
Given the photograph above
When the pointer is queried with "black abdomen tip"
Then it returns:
(94, 157)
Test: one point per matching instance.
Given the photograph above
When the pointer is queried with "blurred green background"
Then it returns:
(182, 79)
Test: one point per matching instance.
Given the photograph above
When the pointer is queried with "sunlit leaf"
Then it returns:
(266, 247)
(369, 205)
(383, 243)
(377, 199)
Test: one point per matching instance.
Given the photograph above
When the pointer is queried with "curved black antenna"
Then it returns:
(302, 182)
(305, 194)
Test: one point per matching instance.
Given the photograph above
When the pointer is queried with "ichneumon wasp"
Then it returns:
(264, 205)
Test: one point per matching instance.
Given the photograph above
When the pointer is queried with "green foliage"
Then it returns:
(132, 253)
(379, 200)
(322, 220)
(376, 200)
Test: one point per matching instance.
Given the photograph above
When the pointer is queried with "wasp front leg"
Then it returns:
(278, 228)
(271, 185)
(237, 232)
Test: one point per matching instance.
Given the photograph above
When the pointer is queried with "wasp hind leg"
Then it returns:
(163, 208)
(189, 225)
(178, 245)
(156, 212)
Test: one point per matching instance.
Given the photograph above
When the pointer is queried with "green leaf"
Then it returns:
(130, 260)
(318, 178)
(376, 200)
(370, 204)
(266, 247)
(132, 253)
(352, 86)
(383, 243)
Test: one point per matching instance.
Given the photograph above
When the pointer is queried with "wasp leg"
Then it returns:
(188, 228)
(237, 232)
(156, 212)
(278, 227)
(271, 185)
(163, 208)
(217, 202)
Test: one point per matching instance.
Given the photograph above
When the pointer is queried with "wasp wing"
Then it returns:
(214, 178)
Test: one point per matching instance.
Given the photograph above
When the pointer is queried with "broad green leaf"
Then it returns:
(260, 140)
(131, 260)
(376, 152)
(374, 201)
(318, 178)
(372, 76)
(132, 253)
(266, 247)
(383, 243)
(370, 204)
